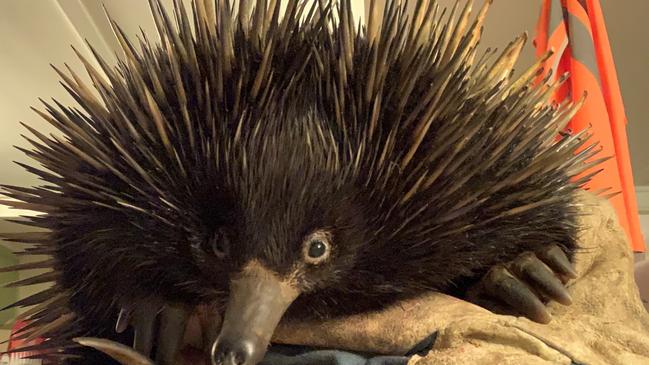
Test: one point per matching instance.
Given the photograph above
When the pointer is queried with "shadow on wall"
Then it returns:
(642, 279)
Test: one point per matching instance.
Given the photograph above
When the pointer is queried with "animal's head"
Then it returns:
(284, 218)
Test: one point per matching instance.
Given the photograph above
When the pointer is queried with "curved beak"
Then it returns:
(257, 302)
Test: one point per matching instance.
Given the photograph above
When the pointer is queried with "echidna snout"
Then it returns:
(258, 300)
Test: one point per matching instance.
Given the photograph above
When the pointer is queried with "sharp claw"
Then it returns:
(557, 260)
(539, 276)
(501, 284)
(123, 354)
(172, 330)
(123, 320)
(144, 323)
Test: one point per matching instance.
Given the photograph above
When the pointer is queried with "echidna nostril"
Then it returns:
(232, 352)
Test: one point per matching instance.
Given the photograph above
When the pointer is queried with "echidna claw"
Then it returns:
(500, 283)
(144, 316)
(121, 353)
(173, 321)
(123, 319)
(556, 259)
(541, 277)
(144, 319)
(525, 283)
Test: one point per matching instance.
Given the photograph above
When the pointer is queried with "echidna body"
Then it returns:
(352, 167)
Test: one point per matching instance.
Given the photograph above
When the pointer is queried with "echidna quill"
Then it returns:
(272, 166)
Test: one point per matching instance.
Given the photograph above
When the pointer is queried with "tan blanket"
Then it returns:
(607, 323)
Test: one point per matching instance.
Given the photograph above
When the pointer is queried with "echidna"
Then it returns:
(284, 166)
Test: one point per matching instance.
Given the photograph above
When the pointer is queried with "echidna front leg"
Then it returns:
(143, 317)
(524, 284)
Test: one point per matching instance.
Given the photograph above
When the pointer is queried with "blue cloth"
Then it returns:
(331, 357)
(300, 355)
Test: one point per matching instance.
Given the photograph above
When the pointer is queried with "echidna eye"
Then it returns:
(317, 248)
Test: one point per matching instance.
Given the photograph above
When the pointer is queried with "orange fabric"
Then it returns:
(576, 32)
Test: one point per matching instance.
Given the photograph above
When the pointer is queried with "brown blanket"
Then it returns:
(607, 323)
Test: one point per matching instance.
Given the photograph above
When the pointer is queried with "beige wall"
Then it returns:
(31, 37)
(628, 29)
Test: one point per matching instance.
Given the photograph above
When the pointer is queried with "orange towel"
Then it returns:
(575, 31)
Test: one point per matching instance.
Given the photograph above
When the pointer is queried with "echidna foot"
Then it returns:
(526, 283)
(143, 317)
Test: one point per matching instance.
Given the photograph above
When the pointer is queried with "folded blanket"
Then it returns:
(606, 324)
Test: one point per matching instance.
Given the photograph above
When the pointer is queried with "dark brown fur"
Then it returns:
(428, 167)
